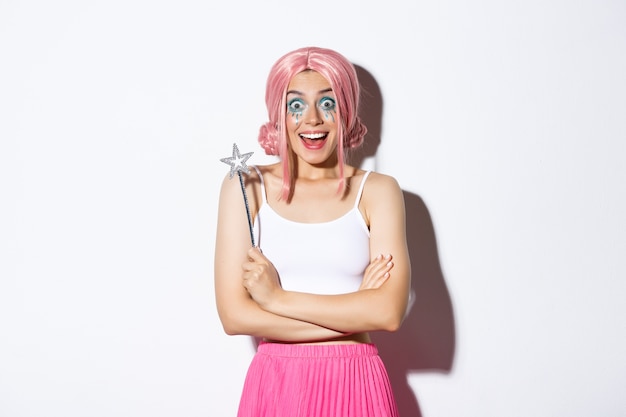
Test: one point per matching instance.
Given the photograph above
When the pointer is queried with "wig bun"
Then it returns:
(354, 138)
(268, 138)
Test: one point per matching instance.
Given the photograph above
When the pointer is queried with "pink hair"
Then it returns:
(342, 77)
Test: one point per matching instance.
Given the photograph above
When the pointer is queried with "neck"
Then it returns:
(327, 170)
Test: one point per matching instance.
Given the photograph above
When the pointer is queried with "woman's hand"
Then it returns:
(376, 273)
(260, 278)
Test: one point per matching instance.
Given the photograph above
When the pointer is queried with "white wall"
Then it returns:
(503, 122)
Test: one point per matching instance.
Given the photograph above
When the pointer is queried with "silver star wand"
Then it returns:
(237, 164)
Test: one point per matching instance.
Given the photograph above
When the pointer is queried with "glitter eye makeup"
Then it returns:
(328, 105)
(295, 107)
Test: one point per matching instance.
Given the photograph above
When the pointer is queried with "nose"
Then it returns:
(313, 116)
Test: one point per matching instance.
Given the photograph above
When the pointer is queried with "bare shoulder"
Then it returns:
(382, 197)
(267, 171)
(250, 179)
(379, 185)
(231, 187)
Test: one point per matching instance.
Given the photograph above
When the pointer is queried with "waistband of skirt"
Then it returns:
(317, 350)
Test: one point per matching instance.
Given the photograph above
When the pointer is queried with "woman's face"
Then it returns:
(312, 118)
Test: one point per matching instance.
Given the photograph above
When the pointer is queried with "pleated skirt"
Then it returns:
(346, 380)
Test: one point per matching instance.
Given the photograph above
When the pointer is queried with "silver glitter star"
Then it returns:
(237, 162)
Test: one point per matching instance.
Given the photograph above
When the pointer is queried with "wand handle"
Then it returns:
(245, 200)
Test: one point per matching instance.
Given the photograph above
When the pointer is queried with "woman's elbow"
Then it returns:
(392, 324)
(390, 315)
(230, 324)
(384, 321)
(392, 318)
(229, 329)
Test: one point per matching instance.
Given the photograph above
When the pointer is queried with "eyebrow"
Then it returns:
(326, 90)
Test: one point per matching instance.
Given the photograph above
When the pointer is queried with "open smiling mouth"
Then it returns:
(313, 140)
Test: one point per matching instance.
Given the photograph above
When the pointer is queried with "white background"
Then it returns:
(504, 122)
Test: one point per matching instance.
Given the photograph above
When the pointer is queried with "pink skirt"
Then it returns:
(317, 381)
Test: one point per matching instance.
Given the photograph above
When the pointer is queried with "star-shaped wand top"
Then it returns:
(237, 162)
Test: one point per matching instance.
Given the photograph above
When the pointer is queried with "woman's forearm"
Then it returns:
(362, 311)
(249, 319)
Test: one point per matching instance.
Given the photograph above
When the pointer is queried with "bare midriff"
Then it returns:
(343, 340)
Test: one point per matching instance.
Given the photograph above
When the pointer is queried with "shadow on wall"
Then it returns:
(370, 111)
(426, 341)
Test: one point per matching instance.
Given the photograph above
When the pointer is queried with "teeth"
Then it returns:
(313, 135)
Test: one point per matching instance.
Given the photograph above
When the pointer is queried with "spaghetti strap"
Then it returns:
(358, 196)
(263, 194)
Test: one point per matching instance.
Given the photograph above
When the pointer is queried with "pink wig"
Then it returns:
(342, 77)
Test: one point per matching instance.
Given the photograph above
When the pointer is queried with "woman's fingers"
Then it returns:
(377, 272)
(259, 277)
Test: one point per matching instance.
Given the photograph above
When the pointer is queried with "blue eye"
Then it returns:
(327, 104)
(295, 106)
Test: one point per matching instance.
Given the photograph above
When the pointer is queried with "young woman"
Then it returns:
(331, 262)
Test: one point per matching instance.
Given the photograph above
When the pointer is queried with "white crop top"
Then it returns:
(318, 258)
